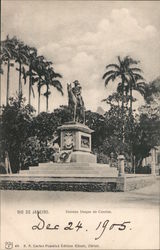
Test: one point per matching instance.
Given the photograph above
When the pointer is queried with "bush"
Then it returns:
(2, 168)
(102, 158)
(144, 170)
(30, 152)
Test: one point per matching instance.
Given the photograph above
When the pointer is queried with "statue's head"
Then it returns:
(76, 83)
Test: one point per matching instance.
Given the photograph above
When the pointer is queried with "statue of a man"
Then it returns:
(76, 101)
(77, 89)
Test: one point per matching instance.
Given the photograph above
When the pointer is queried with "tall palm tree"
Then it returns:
(136, 80)
(21, 58)
(40, 66)
(47, 94)
(51, 81)
(31, 54)
(8, 51)
(126, 74)
(39, 86)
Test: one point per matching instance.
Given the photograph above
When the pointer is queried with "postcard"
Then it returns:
(79, 122)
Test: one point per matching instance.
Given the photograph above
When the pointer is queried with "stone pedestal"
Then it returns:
(77, 137)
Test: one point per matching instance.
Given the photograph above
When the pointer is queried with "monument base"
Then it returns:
(83, 157)
(71, 169)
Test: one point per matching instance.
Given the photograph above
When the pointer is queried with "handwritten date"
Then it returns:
(101, 227)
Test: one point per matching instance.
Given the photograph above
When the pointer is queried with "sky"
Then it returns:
(81, 38)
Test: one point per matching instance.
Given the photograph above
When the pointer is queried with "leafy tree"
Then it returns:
(31, 150)
(16, 124)
(45, 124)
(116, 98)
(45, 129)
(95, 121)
(147, 136)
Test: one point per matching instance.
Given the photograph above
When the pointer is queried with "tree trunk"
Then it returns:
(47, 103)
(126, 100)
(8, 71)
(20, 73)
(47, 97)
(131, 100)
(30, 85)
(123, 136)
(0, 100)
(132, 160)
(39, 96)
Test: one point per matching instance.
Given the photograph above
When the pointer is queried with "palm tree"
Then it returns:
(39, 86)
(21, 58)
(8, 51)
(51, 81)
(47, 94)
(136, 80)
(31, 73)
(127, 75)
(40, 66)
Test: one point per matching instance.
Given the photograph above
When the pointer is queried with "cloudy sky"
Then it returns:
(82, 37)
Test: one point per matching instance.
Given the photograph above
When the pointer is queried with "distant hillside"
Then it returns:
(100, 111)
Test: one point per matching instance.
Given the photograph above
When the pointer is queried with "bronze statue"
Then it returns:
(75, 102)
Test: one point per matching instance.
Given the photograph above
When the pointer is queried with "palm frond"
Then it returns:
(141, 90)
(108, 79)
(57, 75)
(113, 66)
(119, 60)
(57, 85)
(7, 52)
(138, 76)
(109, 73)
(104, 100)
(142, 84)
(130, 60)
(136, 69)
(47, 93)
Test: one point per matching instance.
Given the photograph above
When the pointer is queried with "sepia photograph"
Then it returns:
(80, 125)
